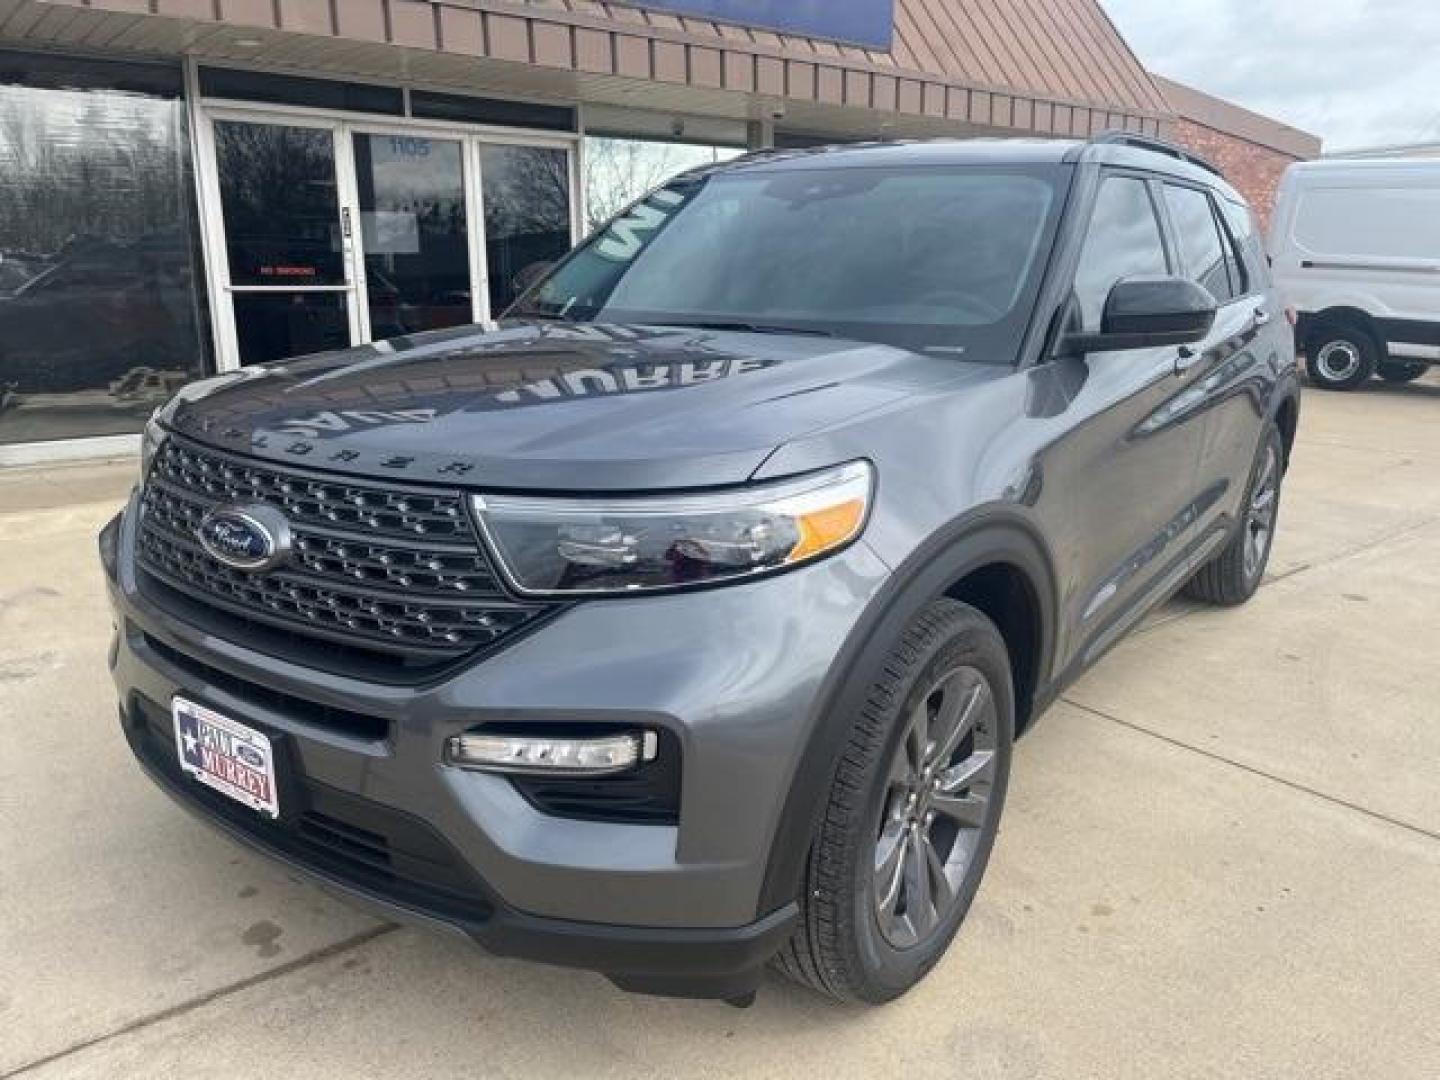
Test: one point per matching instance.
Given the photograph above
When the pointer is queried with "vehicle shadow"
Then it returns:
(1427, 386)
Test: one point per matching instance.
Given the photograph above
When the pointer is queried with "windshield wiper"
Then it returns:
(748, 327)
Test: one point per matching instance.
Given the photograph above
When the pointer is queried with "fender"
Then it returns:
(978, 538)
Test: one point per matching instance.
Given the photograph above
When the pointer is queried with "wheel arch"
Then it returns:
(993, 559)
(1343, 315)
(1286, 415)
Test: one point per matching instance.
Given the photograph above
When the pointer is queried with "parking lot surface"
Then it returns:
(1221, 855)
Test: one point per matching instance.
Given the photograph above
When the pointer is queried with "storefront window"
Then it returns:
(100, 314)
(619, 171)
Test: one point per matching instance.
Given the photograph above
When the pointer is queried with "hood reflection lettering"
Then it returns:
(631, 378)
(559, 385)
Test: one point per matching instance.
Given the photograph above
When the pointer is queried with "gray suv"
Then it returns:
(683, 624)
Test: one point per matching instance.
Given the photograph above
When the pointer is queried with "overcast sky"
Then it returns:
(1355, 72)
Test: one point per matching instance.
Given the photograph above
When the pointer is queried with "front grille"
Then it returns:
(386, 569)
(312, 499)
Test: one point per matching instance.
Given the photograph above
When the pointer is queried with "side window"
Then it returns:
(1202, 248)
(1123, 240)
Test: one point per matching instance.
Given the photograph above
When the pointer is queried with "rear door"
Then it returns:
(1230, 372)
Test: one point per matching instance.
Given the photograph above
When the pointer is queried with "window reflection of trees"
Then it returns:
(527, 215)
(277, 191)
(619, 171)
(99, 312)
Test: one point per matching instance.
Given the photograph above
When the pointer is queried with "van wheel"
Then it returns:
(1340, 357)
(1232, 577)
(1402, 371)
(912, 812)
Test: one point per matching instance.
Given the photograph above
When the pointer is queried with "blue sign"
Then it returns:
(870, 23)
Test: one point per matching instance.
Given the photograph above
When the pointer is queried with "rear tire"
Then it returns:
(1402, 371)
(1232, 577)
(1340, 357)
(912, 812)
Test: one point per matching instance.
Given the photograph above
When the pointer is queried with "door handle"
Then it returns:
(1262, 317)
(1185, 358)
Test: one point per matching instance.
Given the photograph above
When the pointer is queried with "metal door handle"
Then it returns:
(1262, 316)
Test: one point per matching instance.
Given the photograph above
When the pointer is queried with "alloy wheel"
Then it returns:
(1260, 515)
(937, 802)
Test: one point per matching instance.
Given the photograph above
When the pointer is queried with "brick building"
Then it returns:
(1252, 149)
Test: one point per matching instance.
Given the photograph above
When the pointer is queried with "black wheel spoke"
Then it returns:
(889, 871)
(940, 887)
(979, 767)
(966, 810)
(919, 899)
(917, 739)
(959, 709)
(901, 774)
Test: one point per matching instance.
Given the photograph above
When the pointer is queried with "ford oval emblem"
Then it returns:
(250, 756)
(252, 538)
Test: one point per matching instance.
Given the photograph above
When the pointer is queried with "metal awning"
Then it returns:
(1042, 66)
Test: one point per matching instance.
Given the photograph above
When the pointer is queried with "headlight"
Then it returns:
(619, 545)
(150, 442)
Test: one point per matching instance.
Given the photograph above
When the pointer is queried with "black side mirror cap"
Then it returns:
(1148, 312)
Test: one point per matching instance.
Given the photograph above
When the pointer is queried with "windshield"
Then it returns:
(940, 259)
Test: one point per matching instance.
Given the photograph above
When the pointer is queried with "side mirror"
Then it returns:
(1148, 312)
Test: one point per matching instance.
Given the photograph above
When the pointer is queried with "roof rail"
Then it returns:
(1159, 146)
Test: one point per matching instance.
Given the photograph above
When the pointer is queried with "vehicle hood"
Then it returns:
(557, 407)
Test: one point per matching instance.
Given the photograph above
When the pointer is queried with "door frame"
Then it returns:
(217, 253)
(343, 126)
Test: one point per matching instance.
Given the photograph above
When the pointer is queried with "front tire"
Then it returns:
(912, 812)
(1340, 357)
(1233, 576)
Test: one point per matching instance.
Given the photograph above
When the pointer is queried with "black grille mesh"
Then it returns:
(375, 511)
(386, 569)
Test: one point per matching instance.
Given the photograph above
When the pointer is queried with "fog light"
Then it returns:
(542, 755)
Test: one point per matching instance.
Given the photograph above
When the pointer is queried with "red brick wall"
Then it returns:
(1253, 169)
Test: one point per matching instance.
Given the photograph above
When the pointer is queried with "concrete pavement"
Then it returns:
(1221, 855)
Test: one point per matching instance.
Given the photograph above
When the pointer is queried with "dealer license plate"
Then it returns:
(226, 755)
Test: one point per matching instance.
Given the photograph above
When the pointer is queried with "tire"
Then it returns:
(1232, 577)
(1402, 371)
(1340, 357)
(866, 932)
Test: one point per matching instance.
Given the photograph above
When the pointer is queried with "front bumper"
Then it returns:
(733, 673)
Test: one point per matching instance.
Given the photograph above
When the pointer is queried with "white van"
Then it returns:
(1356, 252)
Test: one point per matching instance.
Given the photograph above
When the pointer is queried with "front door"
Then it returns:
(1130, 461)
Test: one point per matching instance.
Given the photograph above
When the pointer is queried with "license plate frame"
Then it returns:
(227, 756)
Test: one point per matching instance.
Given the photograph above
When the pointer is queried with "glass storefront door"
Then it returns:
(414, 233)
(288, 275)
(340, 233)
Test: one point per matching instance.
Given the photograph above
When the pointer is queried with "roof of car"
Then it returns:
(1149, 155)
